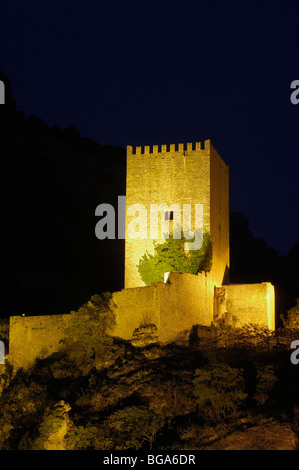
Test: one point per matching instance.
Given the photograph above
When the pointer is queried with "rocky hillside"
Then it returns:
(104, 393)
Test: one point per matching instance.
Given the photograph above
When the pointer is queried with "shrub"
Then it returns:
(291, 320)
(171, 256)
(219, 391)
(87, 338)
(133, 426)
(53, 428)
(87, 437)
(266, 379)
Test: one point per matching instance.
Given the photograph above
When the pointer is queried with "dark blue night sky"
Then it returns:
(144, 73)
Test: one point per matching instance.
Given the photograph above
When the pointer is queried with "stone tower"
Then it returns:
(178, 175)
(191, 174)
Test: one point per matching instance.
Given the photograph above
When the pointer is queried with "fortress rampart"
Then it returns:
(174, 307)
(35, 337)
(170, 149)
(249, 303)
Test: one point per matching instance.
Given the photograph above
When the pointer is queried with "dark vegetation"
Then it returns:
(105, 393)
(52, 180)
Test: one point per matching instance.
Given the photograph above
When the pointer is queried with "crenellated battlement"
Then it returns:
(172, 148)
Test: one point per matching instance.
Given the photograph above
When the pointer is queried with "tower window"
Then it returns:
(169, 215)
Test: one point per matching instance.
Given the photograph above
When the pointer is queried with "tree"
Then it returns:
(219, 391)
(53, 428)
(171, 256)
(266, 379)
(133, 426)
(88, 437)
(87, 334)
(291, 321)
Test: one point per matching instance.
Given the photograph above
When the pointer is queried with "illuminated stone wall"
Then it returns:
(177, 175)
(219, 218)
(174, 307)
(186, 300)
(249, 303)
(134, 307)
(34, 337)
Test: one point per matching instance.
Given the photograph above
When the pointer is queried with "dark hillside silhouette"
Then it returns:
(251, 260)
(51, 182)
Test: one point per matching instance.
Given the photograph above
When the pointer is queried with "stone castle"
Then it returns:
(191, 174)
(179, 176)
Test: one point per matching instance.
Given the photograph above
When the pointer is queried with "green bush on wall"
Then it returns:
(171, 256)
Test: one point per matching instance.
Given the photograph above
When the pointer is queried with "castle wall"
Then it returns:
(134, 307)
(174, 307)
(251, 303)
(170, 176)
(186, 301)
(34, 337)
(219, 216)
